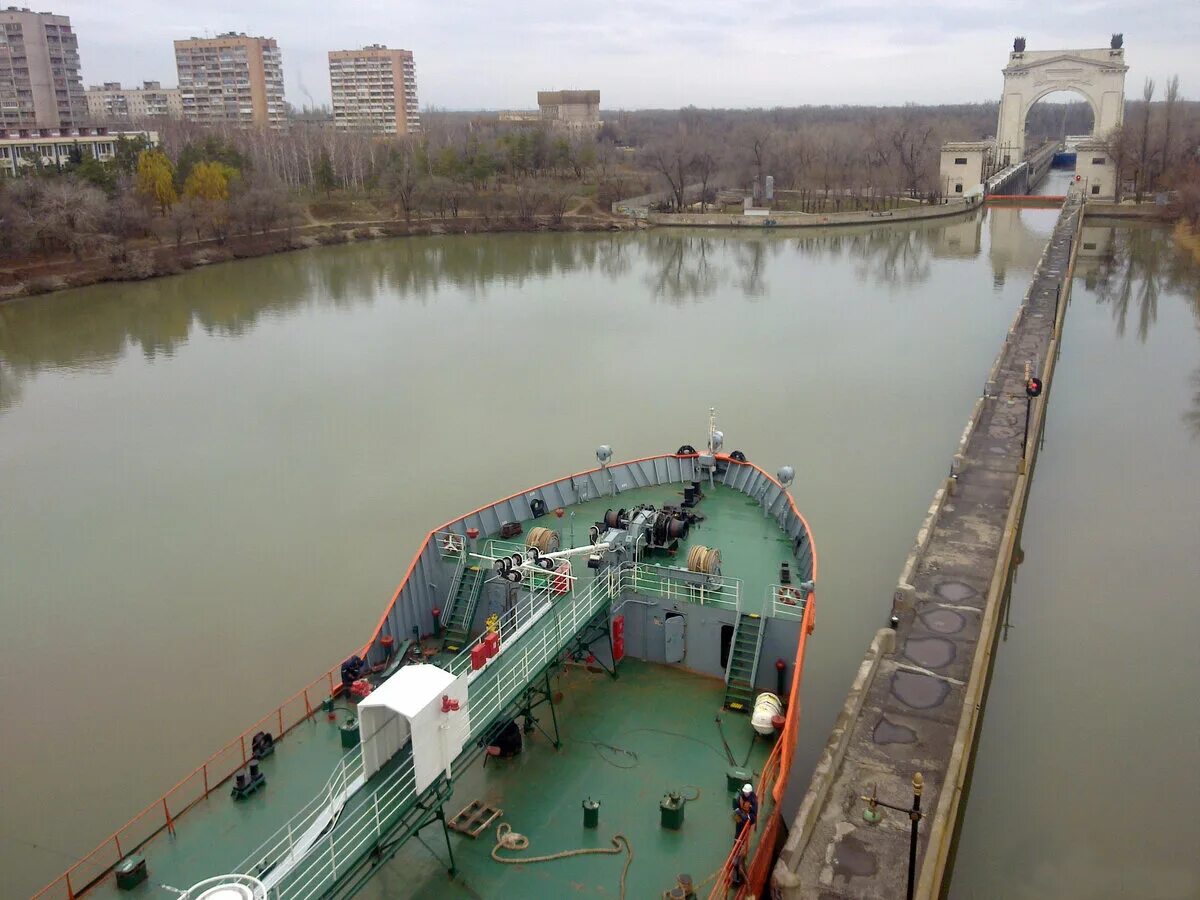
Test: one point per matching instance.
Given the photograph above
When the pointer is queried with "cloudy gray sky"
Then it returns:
(473, 54)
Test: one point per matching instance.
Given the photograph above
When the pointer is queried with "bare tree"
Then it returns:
(69, 215)
(260, 207)
(182, 218)
(670, 159)
(1143, 170)
(126, 215)
(18, 213)
(558, 200)
(401, 177)
(529, 198)
(912, 141)
(704, 166)
(1172, 97)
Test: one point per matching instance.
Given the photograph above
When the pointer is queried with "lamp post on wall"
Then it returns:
(872, 816)
(1033, 389)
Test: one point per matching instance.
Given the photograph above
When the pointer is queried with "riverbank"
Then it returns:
(813, 220)
(143, 261)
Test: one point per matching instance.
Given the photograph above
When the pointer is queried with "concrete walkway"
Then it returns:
(915, 704)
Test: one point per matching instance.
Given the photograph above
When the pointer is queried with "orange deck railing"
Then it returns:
(771, 784)
(161, 815)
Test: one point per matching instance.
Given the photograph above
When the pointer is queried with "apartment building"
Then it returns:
(572, 110)
(112, 104)
(374, 89)
(40, 85)
(231, 78)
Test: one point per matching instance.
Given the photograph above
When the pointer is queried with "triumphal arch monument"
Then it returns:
(1096, 75)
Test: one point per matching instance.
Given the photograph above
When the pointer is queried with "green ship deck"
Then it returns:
(624, 742)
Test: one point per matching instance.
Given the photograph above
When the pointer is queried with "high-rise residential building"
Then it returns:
(40, 85)
(111, 104)
(231, 78)
(374, 89)
(574, 110)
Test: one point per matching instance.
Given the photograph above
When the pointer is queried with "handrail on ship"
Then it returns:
(216, 770)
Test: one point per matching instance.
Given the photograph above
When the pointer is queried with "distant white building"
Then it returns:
(964, 166)
(24, 150)
(1095, 172)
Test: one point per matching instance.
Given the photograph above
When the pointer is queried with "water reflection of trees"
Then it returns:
(94, 327)
(691, 265)
(1142, 263)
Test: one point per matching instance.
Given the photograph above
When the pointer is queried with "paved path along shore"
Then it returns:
(915, 704)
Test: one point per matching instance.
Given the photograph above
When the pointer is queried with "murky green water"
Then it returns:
(211, 484)
(1086, 779)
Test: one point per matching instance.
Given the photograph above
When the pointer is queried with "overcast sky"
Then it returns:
(472, 54)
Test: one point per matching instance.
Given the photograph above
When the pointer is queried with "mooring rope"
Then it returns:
(508, 839)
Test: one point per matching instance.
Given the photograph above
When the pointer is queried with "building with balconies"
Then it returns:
(40, 85)
(112, 104)
(231, 78)
(375, 90)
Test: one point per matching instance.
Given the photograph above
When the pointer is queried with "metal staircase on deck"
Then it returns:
(461, 612)
(743, 662)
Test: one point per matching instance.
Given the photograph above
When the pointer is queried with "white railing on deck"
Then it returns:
(496, 547)
(514, 623)
(367, 823)
(492, 690)
(277, 849)
(785, 601)
(450, 544)
(510, 672)
(455, 580)
(660, 581)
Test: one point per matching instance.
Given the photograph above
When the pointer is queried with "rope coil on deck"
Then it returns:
(542, 539)
(706, 560)
(507, 839)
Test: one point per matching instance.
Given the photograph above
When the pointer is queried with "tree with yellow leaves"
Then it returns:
(209, 181)
(156, 179)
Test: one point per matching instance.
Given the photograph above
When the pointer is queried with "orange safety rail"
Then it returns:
(774, 779)
(162, 814)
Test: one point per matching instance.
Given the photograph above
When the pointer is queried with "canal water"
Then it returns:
(211, 484)
(1086, 780)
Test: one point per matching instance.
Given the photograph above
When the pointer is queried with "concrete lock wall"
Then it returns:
(966, 541)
